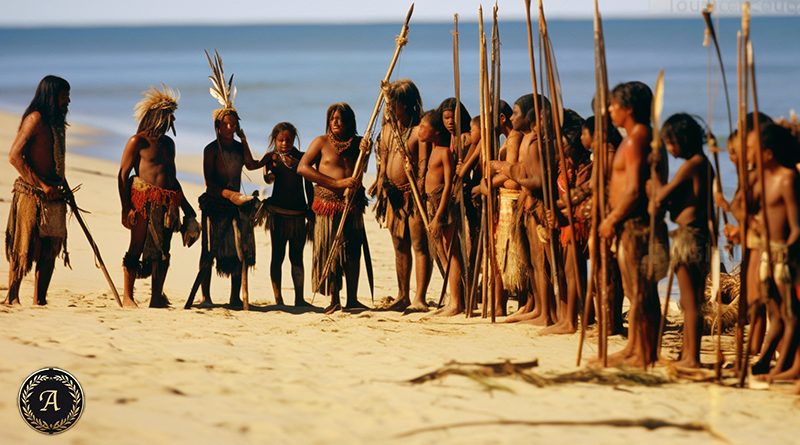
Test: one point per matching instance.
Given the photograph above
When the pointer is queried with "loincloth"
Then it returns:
(632, 244)
(511, 250)
(161, 209)
(328, 208)
(784, 265)
(221, 215)
(432, 200)
(399, 208)
(287, 224)
(32, 219)
(690, 247)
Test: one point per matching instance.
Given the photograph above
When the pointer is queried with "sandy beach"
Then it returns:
(279, 376)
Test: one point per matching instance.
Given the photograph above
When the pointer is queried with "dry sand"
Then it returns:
(268, 376)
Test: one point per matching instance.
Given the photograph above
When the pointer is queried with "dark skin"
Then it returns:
(152, 159)
(540, 308)
(686, 197)
(440, 172)
(514, 129)
(782, 189)
(394, 168)
(627, 198)
(31, 155)
(323, 165)
(568, 319)
(223, 177)
(289, 191)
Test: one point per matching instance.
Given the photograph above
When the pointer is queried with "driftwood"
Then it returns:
(648, 423)
(522, 370)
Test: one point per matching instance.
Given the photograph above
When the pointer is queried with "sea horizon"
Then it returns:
(292, 72)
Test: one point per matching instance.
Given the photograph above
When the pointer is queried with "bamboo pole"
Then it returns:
(555, 93)
(742, 355)
(363, 155)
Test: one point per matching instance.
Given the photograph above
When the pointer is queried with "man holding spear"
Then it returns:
(403, 160)
(628, 222)
(37, 224)
(355, 172)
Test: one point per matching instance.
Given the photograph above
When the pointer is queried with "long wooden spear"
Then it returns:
(743, 356)
(363, 155)
(555, 94)
(487, 148)
(464, 238)
(495, 122)
(714, 214)
(70, 199)
(598, 245)
(549, 186)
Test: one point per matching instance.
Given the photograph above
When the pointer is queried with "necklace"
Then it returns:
(288, 160)
(339, 145)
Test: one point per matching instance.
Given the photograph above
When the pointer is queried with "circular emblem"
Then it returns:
(51, 400)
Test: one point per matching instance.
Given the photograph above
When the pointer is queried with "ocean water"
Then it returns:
(292, 73)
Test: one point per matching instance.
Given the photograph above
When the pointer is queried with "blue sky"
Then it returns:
(139, 12)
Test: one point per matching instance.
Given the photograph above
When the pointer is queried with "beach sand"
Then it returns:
(269, 376)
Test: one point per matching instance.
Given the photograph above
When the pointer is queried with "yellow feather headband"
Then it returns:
(165, 99)
(224, 93)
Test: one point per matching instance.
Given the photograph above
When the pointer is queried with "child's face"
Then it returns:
(284, 141)
(672, 147)
(425, 131)
(449, 119)
(474, 133)
(518, 121)
(586, 139)
(733, 145)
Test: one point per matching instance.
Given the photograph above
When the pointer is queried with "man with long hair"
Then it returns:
(399, 149)
(37, 226)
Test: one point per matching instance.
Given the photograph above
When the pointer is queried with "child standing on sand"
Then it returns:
(288, 209)
(688, 198)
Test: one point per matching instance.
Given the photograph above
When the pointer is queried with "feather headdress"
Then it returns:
(154, 112)
(224, 93)
(165, 99)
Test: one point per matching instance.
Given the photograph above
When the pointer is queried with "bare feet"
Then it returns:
(688, 362)
(299, 302)
(206, 304)
(397, 304)
(355, 306)
(559, 328)
(416, 308)
(521, 314)
(129, 303)
(11, 302)
(162, 302)
(279, 300)
(448, 311)
(333, 307)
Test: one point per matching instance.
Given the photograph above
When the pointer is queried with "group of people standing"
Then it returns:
(428, 195)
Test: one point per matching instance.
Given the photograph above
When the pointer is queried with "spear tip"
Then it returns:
(410, 12)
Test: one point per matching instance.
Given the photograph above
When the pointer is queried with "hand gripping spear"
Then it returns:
(363, 156)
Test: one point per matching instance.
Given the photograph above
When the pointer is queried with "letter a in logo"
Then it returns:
(51, 399)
